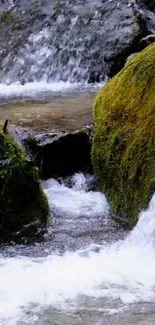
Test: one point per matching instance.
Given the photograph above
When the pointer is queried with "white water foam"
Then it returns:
(76, 201)
(32, 71)
(123, 272)
(32, 88)
(38, 90)
(50, 55)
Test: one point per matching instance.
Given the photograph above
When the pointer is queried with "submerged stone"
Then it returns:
(123, 151)
(23, 204)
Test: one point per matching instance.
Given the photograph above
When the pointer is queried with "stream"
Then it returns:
(86, 270)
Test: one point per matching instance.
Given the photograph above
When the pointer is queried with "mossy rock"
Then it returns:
(22, 200)
(123, 150)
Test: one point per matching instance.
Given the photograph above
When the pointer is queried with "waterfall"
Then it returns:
(69, 41)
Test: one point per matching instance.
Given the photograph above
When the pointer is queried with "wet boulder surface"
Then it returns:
(23, 204)
(76, 41)
(123, 150)
(60, 154)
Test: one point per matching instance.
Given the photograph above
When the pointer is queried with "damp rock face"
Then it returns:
(60, 154)
(23, 204)
(123, 150)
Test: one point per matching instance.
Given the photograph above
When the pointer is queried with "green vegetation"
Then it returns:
(22, 200)
(123, 151)
(6, 17)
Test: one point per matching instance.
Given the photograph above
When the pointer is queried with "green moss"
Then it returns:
(22, 199)
(123, 151)
(6, 17)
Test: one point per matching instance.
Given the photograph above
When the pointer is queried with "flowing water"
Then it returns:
(87, 271)
(68, 112)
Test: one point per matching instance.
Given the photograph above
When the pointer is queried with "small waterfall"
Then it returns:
(55, 46)
(73, 41)
(144, 232)
(62, 47)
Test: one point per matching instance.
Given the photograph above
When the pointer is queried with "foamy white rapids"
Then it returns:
(34, 89)
(123, 272)
(76, 201)
(31, 89)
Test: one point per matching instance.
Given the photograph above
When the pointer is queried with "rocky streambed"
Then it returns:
(85, 268)
(82, 267)
(56, 137)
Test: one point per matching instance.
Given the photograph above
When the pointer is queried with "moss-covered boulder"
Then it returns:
(22, 200)
(123, 150)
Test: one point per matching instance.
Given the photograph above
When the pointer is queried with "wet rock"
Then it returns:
(123, 150)
(23, 205)
(77, 41)
(60, 154)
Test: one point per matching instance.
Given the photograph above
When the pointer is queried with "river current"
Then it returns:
(86, 270)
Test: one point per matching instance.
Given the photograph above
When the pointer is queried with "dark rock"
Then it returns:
(61, 154)
(150, 4)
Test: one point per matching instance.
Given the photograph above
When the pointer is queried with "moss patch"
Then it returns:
(123, 150)
(6, 17)
(22, 200)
